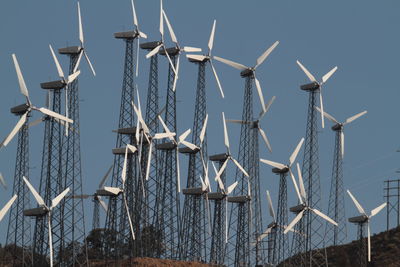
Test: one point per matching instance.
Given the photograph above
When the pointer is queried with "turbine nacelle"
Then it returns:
(310, 86)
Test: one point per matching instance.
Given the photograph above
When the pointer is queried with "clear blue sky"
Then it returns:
(360, 37)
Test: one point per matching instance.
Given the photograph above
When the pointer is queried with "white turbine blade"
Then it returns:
(135, 22)
(203, 130)
(129, 218)
(2, 181)
(262, 58)
(215, 169)
(323, 216)
(231, 187)
(271, 207)
(143, 35)
(240, 121)
(164, 125)
(293, 223)
(102, 203)
(296, 152)
(358, 206)
(301, 183)
(206, 179)
(273, 164)
(171, 31)
(178, 171)
(326, 77)
(90, 63)
(139, 115)
(176, 76)
(221, 170)
(4, 210)
(123, 174)
(322, 108)
(203, 184)
(113, 190)
(217, 79)
(226, 137)
(296, 187)
(220, 184)
(55, 115)
(154, 51)
(58, 198)
(189, 49)
(377, 209)
(267, 107)
(226, 221)
(189, 145)
(260, 94)
(342, 143)
(161, 28)
(78, 61)
(35, 194)
(164, 135)
(73, 76)
(59, 69)
(149, 161)
(196, 57)
(264, 136)
(137, 57)
(105, 177)
(329, 117)
(171, 64)
(309, 75)
(369, 242)
(80, 25)
(183, 136)
(352, 118)
(231, 63)
(51, 235)
(211, 39)
(264, 234)
(15, 130)
(21, 81)
(240, 167)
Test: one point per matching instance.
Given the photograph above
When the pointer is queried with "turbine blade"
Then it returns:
(154, 51)
(2, 181)
(260, 94)
(58, 66)
(296, 152)
(171, 64)
(21, 81)
(161, 28)
(217, 79)
(226, 137)
(129, 218)
(103, 180)
(309, 75)
(189, 49)
(203, 130)
(358, 206)
(377, 209)
(80, 25)
(239, 121)
(296, 187)
(55, 115)
(149, 161)
(78, 62)
(267, 107)
(211, 39)
(262, 58)
(73, 76)
(221, 170)
(113, 190)
(322, 107)
(220, 184)
(301, 183)
(51, 235)
(189, 145)
(231, 63)
(342, 143)
(176, 76)
(329, 117)
(323, 216)
(135, 22)
(183, 136)
(4, 210)
(196, 57)
(369, 242)
(164, 135)
(326, 77)
(264, 136)
(57, 199)
(15, 130)
(123, 174)
(90, 63)
(293, 223)
(240, 167)
(265, 234)
(164, 125)
(271, 207)
(273, 164)
(178, 171)
(231, 187)
(171, 31)
(352, 118)
(35, 194)
(102, 203)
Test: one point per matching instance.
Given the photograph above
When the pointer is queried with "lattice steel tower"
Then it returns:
(167, 217)
(19, 226)
(194, 223)
(308, 246)
(361, 222)
(120, 244)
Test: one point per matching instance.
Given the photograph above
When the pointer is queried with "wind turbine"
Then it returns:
(208, 58)
(30, 106)
(174, 144)
(4, 210)
(82, 46)
(304, 206)
(365, 218)
(115, 191)
(314, 81)
(161, 43)
(2, 181)
(178, 49)
(256, 123)
(339, 126)
(43, 210)
(288, 167)
(251, 71)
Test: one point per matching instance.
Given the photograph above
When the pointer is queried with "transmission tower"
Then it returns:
(120, 243)
(19, 227)
(167, 217)
(51, 179)
(278, 246)
(194, 224)
(392, 197)
(218, 235)
(336, 235)
(361, 222)
(308, 246)
(73, 230)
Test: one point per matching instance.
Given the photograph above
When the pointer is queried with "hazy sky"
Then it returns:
(360, 37)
